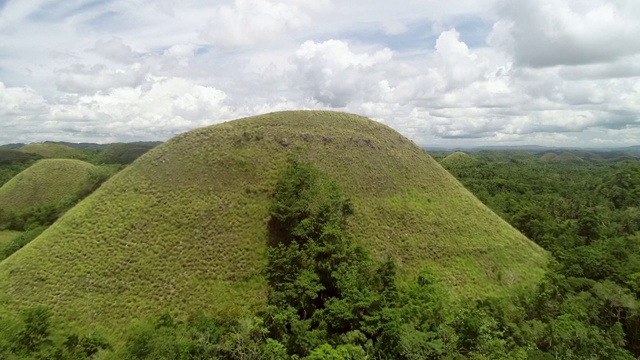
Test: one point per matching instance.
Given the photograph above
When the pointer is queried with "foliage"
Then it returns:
(19, 241)
(586, 214)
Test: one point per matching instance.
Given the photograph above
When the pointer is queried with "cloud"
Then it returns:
(250, 22)
(541, 33)
(89, 79)
(331, 73)
(163, 106)
(17, 102)
(394, 27)
(114, 49)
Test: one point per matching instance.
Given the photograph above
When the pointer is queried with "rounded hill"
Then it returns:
(567, 157)
(458, 158)
(47, 182)
(548, 156)
(184, 228)
(52, 150)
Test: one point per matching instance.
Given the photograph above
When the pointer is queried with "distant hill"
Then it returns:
(12, 146)
(46, 182)
(94, 146)
(567, 157)
(458, 158)
(548, 156)
(184, 228)
(52, 150)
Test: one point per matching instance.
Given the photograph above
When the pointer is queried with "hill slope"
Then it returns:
(44, 183)
(184, 227)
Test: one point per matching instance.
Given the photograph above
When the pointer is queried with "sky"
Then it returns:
(443, 73)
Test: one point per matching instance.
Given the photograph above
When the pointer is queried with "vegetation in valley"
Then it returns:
(183, 227)
(123, 153)
(586, 215)
(7, 235)
(12, 162)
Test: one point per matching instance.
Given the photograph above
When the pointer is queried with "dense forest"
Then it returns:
(329, 299)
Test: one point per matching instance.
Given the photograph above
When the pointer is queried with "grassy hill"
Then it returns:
(46, 182)
(458, 158)
(52, 150)
(548, 156)
(567, 156)
(184, 228)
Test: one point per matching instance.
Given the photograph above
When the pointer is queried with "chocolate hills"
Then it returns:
(458, 158)
(184, 228)
(45, 183)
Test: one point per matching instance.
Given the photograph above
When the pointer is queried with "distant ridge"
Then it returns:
(51, 150)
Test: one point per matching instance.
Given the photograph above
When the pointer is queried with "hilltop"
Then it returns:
(184, 228)
(458, 158)
(45, 183)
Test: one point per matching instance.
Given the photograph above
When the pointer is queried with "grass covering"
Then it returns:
(47, 182)
(184, 228)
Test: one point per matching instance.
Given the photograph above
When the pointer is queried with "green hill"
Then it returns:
(46, 182)
(184, 228)
(458, 158)
(548, 156)
(52, 150)
(567, 157)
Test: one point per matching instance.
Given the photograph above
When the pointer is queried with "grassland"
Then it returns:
(46, 182)
(184, 227)
(53, 151)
